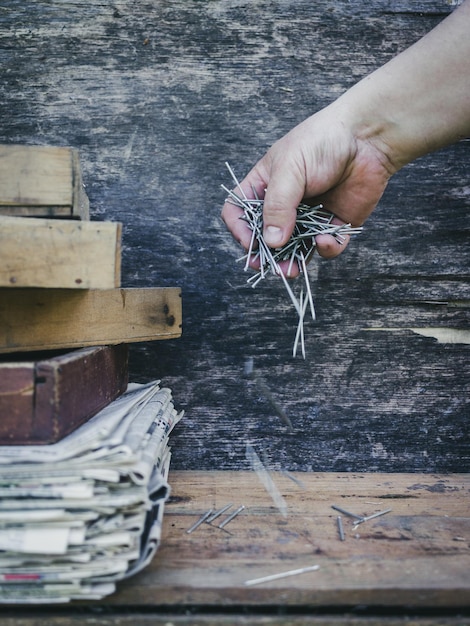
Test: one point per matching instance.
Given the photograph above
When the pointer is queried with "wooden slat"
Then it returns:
(54, 253)
(204, 618)
(418, 555)
(81, 204)
(40, 319)
(233, 77)
(46, 397)
(41, 181)
(408, 567)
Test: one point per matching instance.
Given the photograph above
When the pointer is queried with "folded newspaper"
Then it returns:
(81, 514)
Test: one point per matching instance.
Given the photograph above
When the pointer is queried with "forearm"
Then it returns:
(344, 155)
(419, 101)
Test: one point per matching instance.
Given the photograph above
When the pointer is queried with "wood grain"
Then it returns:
(54, 253)
(41, 181)
(410, 566)
(44, 397)
(51, 319)
(418, 555)
(157, 96)
(203, 618)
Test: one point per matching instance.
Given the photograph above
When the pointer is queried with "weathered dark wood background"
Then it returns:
(157, 96)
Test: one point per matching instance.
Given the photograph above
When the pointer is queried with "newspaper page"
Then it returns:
(81, 514)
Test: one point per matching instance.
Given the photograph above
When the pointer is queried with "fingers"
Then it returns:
(284, 192)
(252, 186)
(231, 215)
(283, 195)
(329, 247)
(279, 215)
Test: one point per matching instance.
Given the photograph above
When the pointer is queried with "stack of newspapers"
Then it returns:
(78, 515)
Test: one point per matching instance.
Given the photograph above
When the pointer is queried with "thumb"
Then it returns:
(283, 194)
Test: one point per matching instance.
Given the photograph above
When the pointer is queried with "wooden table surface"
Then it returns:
(412, 562)
(418, 554)
(157, 96)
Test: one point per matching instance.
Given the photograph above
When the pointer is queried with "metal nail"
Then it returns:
(235, 179)
(218, 513)
(230, 517)
(369, 517)
(348, 513)
(310, 221)
(200, 521)
(339, 522)
(296, 480)
(292, 572)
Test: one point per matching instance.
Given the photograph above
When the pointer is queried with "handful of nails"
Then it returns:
(310, 222)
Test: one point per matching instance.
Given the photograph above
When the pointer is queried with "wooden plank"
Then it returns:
(233, 78)
(46, 397)
(41, 181)
(418, 555)
(50, 319)
(67, 254)
(408, 567)
(203, 618)
(81, 204)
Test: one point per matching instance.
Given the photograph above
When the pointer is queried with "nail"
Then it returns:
(218, 513)
(310, 222)
(339, 521)
(235, 180)
(201, 520)
(292, 572)
(348, 513)
(230, 517)
(369, 517)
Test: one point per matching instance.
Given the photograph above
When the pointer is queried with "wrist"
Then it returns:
(368, 121)
(418, 102)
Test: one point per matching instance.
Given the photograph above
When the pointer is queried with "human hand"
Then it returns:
(344, 155)
(323, 160)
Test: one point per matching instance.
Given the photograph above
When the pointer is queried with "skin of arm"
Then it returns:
(344, 155)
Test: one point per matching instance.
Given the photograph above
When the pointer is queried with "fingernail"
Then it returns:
(272, 235)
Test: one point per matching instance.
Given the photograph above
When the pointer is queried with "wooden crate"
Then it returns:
(56, 319)
(41, 181)
(42, 399)
(56, 253)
